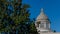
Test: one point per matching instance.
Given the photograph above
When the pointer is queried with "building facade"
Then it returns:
(42, 24)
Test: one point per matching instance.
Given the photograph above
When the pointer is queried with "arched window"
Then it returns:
(38, 24)
(42, 25)
(47, 25)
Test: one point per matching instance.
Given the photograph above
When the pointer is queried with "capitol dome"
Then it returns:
(42, 15)
(42, 23)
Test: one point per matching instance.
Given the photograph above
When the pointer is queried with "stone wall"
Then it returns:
(49, 33)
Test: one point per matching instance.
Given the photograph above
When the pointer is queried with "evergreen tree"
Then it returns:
(32, 28)
(14, 17)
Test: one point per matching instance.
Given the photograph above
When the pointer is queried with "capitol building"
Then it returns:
(42, 24)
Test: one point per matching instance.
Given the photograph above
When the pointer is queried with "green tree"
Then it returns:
(20, 16)
(32, 27)
(4, 18)
(14, 17)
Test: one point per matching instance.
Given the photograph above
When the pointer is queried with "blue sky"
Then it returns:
(51, 9)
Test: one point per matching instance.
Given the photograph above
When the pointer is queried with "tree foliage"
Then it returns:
(14, 17)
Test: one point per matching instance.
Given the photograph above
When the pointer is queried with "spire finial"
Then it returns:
(41, 9)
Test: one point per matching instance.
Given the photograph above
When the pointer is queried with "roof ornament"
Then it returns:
(42, 10)
(42, 15)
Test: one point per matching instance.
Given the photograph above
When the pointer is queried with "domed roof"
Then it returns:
(42, 15)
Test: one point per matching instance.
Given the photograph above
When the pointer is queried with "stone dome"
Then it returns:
(42, 15)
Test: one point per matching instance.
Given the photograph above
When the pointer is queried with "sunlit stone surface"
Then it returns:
(42, 24)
